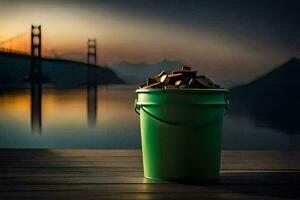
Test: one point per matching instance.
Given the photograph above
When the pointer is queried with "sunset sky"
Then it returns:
(240, 38)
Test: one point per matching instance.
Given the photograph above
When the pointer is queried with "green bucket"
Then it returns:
(181, 131)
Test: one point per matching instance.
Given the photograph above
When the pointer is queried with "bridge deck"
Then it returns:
(118, 174)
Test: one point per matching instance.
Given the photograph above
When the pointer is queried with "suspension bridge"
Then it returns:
(21, 44)
(18, 44)
(31, 44)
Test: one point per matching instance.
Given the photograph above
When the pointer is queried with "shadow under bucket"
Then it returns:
(181, 131)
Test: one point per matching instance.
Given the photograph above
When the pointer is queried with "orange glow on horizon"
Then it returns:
(122, 37)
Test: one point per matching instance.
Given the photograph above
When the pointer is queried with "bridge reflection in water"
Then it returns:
(36, 106)
(92, 105)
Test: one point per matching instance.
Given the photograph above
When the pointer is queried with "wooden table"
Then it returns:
(118, 174)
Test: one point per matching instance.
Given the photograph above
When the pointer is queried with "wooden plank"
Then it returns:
(70, 164)
(77, 190)
(226, 165)
(134, 152)
(158, 188)
(231, 160)
(274, 178)
(72, 152)
(71, 169)
(133, 196)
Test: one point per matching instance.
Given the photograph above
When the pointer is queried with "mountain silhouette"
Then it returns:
(138, 73)
(273, 99)
(281, 83)
(60, 73)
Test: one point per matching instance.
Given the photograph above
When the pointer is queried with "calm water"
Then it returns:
(103, 117)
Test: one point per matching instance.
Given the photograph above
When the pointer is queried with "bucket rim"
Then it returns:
(193, 90)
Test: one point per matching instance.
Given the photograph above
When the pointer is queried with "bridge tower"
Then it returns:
(36, 79)
(92, 51)
(91, 83)
(36, 50)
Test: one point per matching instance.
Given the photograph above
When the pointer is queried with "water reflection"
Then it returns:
(65, 117)
(92, 105)
(36, 107)
(281, 115)
(36, 79)
(97, 116)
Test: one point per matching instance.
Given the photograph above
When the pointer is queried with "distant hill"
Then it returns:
(273, 99)
(282, 83)
(61, 73)
(138, 73)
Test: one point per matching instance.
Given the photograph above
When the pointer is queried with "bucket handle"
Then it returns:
(138, 107)
(137, 110)
(160, 120)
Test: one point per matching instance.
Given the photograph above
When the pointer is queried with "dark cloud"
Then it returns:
(258, 26)
(271, 22)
